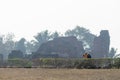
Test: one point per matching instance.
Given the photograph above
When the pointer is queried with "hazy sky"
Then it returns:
(25, 18)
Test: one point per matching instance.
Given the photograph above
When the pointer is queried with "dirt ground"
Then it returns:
(58, 74)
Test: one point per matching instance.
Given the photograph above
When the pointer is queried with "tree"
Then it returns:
(42, 37)
(2, 46)
(55, 35)
(20, 45)
(1, 57)
(112, 52)
(6, 44)
(31, 46)
(78, 31)
(9, 42)
(16, 54)
(82, 34)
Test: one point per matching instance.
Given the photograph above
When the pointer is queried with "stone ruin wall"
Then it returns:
(101, 45)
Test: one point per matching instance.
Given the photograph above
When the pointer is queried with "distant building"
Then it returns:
(101, 45)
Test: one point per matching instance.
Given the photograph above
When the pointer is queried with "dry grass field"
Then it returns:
(58, 74)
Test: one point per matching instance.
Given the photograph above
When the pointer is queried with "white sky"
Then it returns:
(25, 18)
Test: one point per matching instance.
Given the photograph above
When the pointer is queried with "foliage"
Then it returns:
(82, 34)
(1, 57)
(63, 63)
(112, 52)
(16, 54)
(20, 45)
(16, 62)
(6, 44)
(117, 62)
(55, 35)
(86, 63)
(31, 46)
(42, 37)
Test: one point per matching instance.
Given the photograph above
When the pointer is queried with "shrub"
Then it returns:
(16, 62)
(86, 63)
(116, 63)
(63, 63)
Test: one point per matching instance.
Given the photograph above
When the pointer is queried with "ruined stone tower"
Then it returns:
(101, 45)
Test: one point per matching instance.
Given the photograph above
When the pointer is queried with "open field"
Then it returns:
(58, 74)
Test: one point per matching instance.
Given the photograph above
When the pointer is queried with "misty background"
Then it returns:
(45, 41)
(22, 20)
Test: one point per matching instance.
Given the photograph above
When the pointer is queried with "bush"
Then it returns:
(19, 63)
(63, 63)
(116, 63)
(16, 54)
(28, 65)
(86, 63)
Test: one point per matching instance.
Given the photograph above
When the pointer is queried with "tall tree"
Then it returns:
(112, 52)
(55, 35)
(20, 45)
(6, 44)
(2, 46)
(9, 42)
(82, 34)
(31, 46)
(42, 37)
